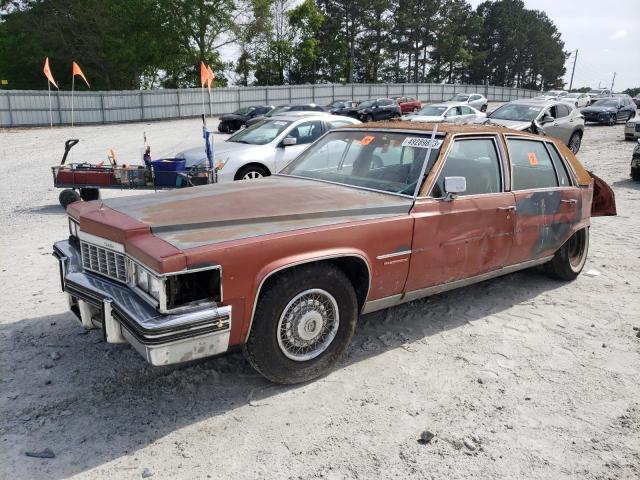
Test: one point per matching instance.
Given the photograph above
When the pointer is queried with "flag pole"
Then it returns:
(50, 115)
(210, 106)
(73, 85)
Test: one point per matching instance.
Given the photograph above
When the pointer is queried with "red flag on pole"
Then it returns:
(203, 74)
(210, 77)
(47, 72)
(77, 71)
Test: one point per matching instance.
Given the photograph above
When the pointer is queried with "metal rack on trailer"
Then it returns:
(84, 180)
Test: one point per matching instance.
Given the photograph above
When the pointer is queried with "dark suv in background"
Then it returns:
(375, 109)
(610, 111)
(282, 109)
(230, 122)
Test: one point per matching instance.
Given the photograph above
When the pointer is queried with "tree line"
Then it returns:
(131, 44)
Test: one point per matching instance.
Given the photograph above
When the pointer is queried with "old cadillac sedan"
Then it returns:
(368, 217)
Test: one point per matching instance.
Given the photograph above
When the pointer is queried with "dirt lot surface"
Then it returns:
(519, 377)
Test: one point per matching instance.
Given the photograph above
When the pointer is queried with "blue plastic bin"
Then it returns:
(165, 171)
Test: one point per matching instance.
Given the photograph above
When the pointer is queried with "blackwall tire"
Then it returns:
(483, 108)
(89, 194)
(67, 197)
(569, 260)
(303, 323)
(251, 172)
(575, 142)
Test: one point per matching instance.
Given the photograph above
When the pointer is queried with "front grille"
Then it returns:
(103, 261)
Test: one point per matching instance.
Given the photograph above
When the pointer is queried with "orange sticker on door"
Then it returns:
(533, 160)
(367, 140)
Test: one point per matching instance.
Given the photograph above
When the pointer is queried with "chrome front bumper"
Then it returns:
(124, 317)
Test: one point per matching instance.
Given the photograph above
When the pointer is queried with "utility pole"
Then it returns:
(575, 59)
(613, 81)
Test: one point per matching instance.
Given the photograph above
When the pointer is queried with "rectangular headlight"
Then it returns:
(142, 279)
(74, 227)
(191, 288)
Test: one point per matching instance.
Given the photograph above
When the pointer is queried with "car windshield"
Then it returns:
(459, 98)
(367, 103)
(244, 110)
(383, 161)
(512, 111)
(573, 95)
(260, 133)
(432, 111)
(605, 103)
(595, 91)
(338, 104)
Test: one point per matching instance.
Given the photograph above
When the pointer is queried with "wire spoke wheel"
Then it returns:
(308, 325)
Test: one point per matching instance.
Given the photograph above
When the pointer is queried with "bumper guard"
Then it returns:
(124, 317)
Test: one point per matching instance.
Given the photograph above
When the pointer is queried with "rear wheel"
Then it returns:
(483, 108)
(574, 142)
(612, 120)
(251, 172)
(303, 323)
(88, 194)
(67, 197)
(415, 109)
(368, 118)
(569, 260)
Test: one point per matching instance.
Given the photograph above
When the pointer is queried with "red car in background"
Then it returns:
(408, 104)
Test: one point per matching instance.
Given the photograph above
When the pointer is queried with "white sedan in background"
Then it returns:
(578, 100)
(446, 112)
(267, 146)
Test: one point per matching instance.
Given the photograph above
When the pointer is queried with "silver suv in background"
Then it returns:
(553, 118)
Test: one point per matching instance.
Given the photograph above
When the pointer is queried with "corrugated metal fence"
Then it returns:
(31, 107)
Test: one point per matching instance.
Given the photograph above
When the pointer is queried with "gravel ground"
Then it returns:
(519, 377)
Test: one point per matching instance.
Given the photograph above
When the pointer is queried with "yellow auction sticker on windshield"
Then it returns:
(367, 140)
(421, 142)
(533, 160)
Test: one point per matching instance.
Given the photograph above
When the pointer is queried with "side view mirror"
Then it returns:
(288, 141)
(453, 186)
(547, 119)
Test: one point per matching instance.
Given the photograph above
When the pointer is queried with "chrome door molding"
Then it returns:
(393, 300)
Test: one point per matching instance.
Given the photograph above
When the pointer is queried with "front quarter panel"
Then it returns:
(247, 263)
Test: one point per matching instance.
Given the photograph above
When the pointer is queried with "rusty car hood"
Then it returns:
(198, 216)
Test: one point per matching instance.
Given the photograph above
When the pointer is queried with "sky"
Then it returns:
(606, 34)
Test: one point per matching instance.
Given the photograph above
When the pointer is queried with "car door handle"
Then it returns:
(509, 208)
(571, 201)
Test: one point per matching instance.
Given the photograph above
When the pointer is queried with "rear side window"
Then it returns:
(561, 170)
(477, 161)
(531, 165)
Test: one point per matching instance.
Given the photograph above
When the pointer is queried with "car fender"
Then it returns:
(285, 263)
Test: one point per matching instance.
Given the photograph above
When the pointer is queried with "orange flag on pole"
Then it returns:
(204, 74)
(76, 71)
(47, 72)
(210, 77)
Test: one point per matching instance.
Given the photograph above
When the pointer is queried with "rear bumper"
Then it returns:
(124, 317)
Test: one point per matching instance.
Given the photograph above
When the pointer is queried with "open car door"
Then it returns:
(604, 200)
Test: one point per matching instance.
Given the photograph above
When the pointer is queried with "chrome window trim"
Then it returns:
(563, 161)
(302, 262)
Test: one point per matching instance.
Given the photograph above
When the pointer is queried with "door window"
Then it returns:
(307, 132)
(562, 111)
(466, 110)
(531, 165)
(453, 112)
(477, 161)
